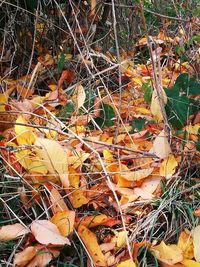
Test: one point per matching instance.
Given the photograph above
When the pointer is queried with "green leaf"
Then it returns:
(61, 63)
(179, 108)
(147, 92)
(138, 125)
(198, 143)
(106, 117)
(68, 110)
(197, 38)
(184, 86)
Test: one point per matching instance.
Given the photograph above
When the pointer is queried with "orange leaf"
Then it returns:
(24, 257)
(64, 220)
(67, 75)
(57, 202)
(90, 241)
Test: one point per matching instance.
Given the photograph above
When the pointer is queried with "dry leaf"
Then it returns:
(185, 243)
(54, 157)
(190, 263)
(25, 135)
(22, 258)
(80, 96)
(10, 232)
(170, 254)
(137, 175)
(57, 202)
(43, 257)
(46, 233)
(168, 167)
(161, 145)
(155, 105)
(64, 220)
(127, 263)
(90, 241)
(196, 243)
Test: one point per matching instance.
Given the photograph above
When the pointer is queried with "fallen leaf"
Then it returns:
(170, 254)
(196, 243)
(161, 145)
(3, 100)
(25, 134)
(57, 202)
(168, 167)
(127, 263)
(13, 231)
(90, 241)
(155, 105)
(64, 220)
(54, 157)
(185, 243)
(21, 259)
(46, 233)
(43, 257)
(190, 263)
(80, 96)
(136, 175)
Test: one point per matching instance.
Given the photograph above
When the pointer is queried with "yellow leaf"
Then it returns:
(57, 202)
(190, 263)
(54, 157)
(74, 177)
(127, 263)
(23, 258)
(196, 243)
(121, 239)
(168, 167)
(46, 233)
(193, 129)
(3, 101)
(108, 157)
(64, 220)
(169, 254)
(161, 145)
(155, 106)
(77, 161)
(185, 243)
(25, 135)
(10, 232)
(78, 198)
(90, 241)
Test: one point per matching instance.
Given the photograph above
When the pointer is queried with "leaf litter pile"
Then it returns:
(100, 164)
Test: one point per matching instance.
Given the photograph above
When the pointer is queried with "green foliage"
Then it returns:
(180, 106)
(197, 38)
(68, 110)
(198, 143)
(147, 92)
(106, 117)
(138, 125)
(61, 63)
